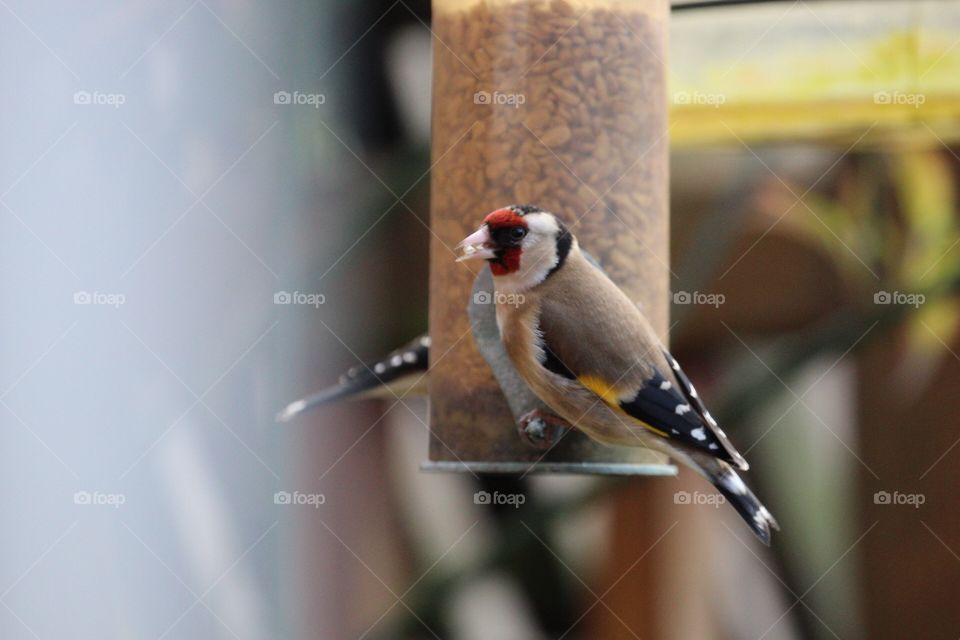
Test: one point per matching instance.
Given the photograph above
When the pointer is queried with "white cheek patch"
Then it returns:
(539, 256)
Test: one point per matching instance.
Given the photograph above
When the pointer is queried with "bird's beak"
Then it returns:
(477, 246)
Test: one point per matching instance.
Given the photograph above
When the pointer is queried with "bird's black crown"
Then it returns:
(524, 209)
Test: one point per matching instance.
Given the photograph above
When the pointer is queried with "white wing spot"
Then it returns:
(410, 356)
(396, 361)
(379, 367)
(682, 409)
(762, 516)
(699, 433)
(665, 385)
(693, 392)
(712, 446)
(733, 482)
(425, 341)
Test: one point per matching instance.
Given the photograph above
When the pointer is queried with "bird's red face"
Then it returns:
(499, 241)
(523, 243)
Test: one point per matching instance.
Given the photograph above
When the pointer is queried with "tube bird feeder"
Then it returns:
(562, 104)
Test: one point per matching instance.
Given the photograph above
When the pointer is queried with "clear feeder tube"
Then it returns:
(562, 104)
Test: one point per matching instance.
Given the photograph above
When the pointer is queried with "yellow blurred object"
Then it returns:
(816, 71)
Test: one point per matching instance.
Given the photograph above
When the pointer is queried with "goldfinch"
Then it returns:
(401, 373)
(585, 349)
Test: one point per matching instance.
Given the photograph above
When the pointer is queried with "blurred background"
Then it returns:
(211, 208)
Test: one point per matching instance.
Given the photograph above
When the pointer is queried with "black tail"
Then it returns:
(726, 480)
(409, 360)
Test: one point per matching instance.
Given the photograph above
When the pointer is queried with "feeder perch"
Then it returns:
(563, 105)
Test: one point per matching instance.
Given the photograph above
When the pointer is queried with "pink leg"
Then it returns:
(540, 429)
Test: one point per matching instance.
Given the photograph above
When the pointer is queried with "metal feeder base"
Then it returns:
(573, 468)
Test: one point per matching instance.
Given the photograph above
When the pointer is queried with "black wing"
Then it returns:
(670, 405)
(412, 358)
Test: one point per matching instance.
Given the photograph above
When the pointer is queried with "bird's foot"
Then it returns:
(541, 430)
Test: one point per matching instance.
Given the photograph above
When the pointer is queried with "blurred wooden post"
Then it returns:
(912, 444)
(561, 104)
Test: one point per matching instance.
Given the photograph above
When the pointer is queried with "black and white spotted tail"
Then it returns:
(400, 372)
(729, 483)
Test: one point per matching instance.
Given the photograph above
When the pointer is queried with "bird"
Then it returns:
(588, 352)
(400, 373)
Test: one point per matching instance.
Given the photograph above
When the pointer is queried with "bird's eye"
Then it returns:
(517, 233)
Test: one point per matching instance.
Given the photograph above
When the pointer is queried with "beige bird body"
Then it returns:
(608, 351)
